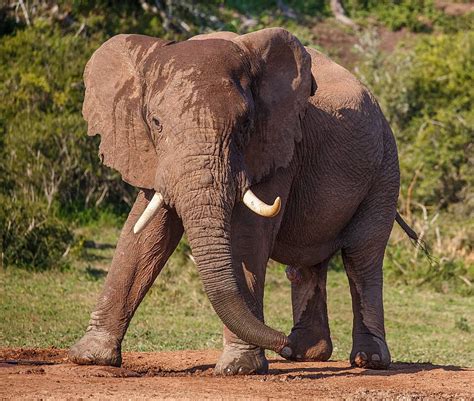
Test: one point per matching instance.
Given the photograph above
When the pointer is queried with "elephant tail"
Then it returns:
(416, 240)
(408, 230)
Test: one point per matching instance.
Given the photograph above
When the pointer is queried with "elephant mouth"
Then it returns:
(249, 199)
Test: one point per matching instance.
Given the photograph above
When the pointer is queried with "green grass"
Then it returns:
(43, 309)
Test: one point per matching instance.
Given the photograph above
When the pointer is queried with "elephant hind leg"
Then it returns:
(310, 336)
(137, 262)
(363, 253)
(369, 348)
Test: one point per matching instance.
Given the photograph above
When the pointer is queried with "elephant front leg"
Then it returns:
(310, 337)
(137, 262)
(239, 357)
(251, 241)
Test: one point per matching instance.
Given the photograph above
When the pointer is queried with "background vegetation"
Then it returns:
(55, 197)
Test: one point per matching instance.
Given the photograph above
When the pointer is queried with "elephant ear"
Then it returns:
(282, 83)
(113, 106)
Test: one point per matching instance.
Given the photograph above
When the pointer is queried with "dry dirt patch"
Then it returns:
(453, 8)
(341, 43)
(46, 373)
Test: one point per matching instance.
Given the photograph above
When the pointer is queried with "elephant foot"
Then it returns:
(241, 359)
(307, 346)
(96, 348)
(319, 351)
(370, 352)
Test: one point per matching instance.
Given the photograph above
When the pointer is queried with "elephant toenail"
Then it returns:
(227, 371)
(376, 358)
(286, 352)
(360, 358)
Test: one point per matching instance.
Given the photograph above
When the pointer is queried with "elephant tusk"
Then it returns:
(151, 211)
(261, 208)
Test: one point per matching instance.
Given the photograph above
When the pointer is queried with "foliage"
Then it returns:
(48, 161)
(292, 7)
(426, 93)
(30, 237)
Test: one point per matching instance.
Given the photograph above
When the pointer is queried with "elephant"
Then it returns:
(258, 148)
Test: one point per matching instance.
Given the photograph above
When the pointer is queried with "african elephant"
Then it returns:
(257, 148)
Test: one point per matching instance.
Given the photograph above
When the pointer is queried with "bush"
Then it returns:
(426, 93)
(48, 162)
(30, 237)
(47, 153)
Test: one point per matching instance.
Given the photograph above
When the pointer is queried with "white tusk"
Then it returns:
(151, 211)
(261, 208)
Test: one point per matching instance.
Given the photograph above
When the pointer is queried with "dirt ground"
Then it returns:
(46, 373)
(341, 43)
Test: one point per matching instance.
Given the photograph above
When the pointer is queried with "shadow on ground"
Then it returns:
(164, 364)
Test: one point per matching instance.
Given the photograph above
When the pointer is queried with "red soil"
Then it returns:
(46, 373)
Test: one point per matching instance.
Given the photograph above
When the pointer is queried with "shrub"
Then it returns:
(48, 162)
(426, 93)
(30, 237)
(47, 154)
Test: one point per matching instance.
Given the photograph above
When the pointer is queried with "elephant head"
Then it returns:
(200, 122)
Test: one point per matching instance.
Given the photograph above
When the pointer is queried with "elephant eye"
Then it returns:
(157, 124)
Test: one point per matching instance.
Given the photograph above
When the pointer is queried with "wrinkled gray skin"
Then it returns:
(201, 121)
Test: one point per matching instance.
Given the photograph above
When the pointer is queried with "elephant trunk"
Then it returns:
(207, 224)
